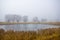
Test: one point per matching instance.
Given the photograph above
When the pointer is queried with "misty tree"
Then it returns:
(13, 18)
(35, 19)
(7, 18)
(18, 18)
(25, 19)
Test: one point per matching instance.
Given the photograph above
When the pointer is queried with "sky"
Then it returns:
(43, 9)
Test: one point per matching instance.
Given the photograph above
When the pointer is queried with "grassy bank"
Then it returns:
(46, 34)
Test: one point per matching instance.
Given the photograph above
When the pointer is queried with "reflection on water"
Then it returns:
(25, 27)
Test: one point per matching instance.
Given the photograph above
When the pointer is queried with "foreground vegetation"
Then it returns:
(46, 34)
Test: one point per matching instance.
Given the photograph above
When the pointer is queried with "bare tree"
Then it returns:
(7, 18)
(25, 19)
(18, 18)
(13, 18)
(35, 19)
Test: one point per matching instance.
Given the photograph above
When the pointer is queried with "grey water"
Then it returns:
(27, 27)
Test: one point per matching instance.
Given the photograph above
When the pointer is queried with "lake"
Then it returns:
(27, 27)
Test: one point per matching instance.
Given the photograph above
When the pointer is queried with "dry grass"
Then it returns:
(46, 34)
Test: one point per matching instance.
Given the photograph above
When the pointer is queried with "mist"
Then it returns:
(48, 9)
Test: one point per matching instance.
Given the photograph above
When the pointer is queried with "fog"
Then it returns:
(48, 9)
(43, 9)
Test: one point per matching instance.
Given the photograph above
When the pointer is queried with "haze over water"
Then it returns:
(43, 9)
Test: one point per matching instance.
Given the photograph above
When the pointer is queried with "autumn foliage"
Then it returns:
(46, 34)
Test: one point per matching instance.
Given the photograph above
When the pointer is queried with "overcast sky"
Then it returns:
(48, 9)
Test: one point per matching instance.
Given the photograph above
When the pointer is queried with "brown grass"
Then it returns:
(46, 34)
